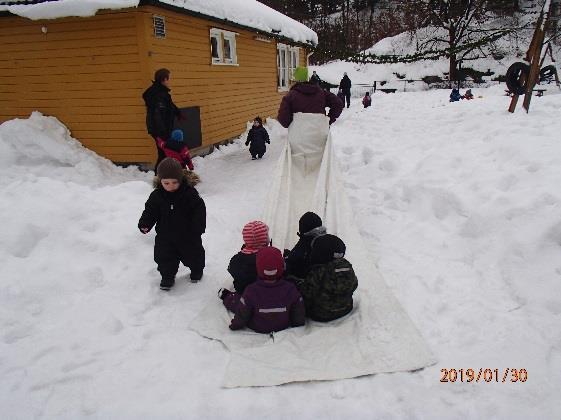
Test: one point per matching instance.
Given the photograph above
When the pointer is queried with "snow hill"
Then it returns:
(506, 51)
(458, 202)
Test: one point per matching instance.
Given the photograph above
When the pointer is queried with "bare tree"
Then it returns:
(463, 27)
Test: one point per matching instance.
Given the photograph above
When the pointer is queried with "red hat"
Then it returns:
(270, 263)
(255, 236)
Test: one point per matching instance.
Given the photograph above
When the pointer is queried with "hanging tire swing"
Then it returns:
(516, 77)
(547, 73)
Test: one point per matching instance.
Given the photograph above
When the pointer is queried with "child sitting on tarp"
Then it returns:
(256, 138)
(328, 288)
(298, 260)
(242, 265)
(367, 100)
(455, 95)
(176, 149)
(269, 304)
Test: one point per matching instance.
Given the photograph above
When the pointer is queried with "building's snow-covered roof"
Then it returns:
(248, 13)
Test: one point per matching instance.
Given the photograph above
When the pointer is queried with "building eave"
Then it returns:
(184, 11)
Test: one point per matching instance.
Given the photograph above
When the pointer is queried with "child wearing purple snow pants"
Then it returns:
(269, 304)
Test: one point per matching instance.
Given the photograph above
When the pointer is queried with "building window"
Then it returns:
(223, 47)
(287, 61)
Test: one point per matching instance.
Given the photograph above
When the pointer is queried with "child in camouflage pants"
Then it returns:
(328, 288)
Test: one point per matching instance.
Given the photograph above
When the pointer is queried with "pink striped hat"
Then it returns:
(255, 236)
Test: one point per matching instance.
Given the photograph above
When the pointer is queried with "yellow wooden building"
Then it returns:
(90, 72)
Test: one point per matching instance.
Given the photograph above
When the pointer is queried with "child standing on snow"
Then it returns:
(179, 214)
(175, 148)
(328, 288)
(367, 100)
(242, 265)
(269, 304)
(257, 137)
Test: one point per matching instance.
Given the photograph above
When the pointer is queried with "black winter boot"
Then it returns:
(167, 283)
(196, 275)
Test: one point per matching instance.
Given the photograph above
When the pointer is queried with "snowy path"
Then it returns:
(458, 202)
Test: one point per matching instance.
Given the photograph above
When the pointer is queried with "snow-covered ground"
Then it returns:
(459, 204)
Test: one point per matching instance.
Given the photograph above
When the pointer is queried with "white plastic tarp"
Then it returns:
(377, 336)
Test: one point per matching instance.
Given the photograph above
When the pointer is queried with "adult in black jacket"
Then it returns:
(315, 79)
(345, 86)
(160, 109)
(257, 137)
(179, 214)
(298, 260)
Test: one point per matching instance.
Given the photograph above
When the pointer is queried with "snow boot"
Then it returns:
(196, 276)
(167, 284)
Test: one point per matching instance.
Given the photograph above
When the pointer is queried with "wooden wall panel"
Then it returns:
(84, 71)
(91, 73)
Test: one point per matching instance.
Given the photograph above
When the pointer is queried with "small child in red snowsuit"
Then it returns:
(176, 149)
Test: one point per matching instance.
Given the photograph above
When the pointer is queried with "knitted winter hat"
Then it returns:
(326, 248)
(301, 74)
(169, 168)
(177, 135)
(255, 236)
(270, 263)
(308, 221)
(259, 120)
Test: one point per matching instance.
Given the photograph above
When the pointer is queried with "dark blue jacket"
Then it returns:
(455, 95)
(257, 137)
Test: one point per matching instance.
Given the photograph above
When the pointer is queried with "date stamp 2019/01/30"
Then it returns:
(484, 375)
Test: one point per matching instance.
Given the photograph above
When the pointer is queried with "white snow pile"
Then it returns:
(63, 8)
(43, 145)
(459, 204)
(250, 13)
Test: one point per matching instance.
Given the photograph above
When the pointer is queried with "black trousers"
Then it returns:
(257, 152)
(161, 155)
(348, 98)
(168, 253)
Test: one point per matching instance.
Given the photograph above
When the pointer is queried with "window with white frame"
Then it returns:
(287, 61)
(223, 47)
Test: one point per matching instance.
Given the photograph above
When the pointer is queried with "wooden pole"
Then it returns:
(534, 54)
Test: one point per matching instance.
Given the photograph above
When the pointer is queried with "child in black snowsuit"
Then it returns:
(179, 214)
(257, 136)
(242, 265)
(328, 288)
(298, 260)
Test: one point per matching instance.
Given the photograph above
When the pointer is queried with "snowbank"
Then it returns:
(459, 203)
(42, 145)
